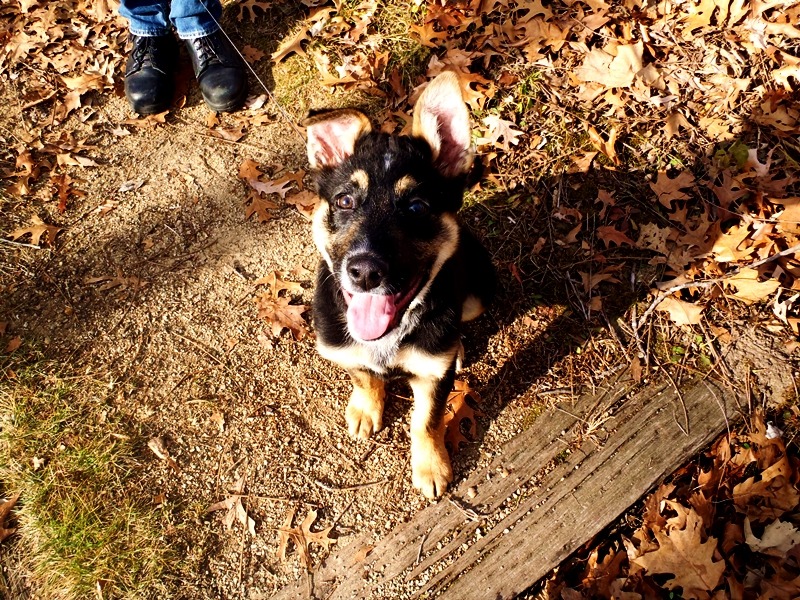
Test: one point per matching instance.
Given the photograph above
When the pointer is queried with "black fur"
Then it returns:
(390, 231)
(399, 272)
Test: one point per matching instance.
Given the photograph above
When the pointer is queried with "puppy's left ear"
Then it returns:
(441, 119)
(332, 136)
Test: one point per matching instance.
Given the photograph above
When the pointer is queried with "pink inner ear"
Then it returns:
(442, 119)
(331, 142)
(454, 133)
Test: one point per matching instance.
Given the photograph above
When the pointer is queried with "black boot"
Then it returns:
(220, 71)
(150, 73)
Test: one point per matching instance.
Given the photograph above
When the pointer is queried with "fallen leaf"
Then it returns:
(682, 554)
(680, 312)
(252, 55)
(41, 233)
(499, 129)
(109, 282)
(459, 418)
(234, 508)
(614, 68)
(277, 284)
(670, 189)
(158, 448)
(282, 315)
(261, 207)
(305, 202)
(5, 511)
(778, 538)
(13, 344)
(308, 29)
(609, 234)
(749, 288)
(606, 146)
(302, 537)
(771, 495)
(131, 185)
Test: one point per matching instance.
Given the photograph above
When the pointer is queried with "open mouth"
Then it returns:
(370, 316)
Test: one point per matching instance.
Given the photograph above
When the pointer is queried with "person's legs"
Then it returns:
(219, 68)
(146, 18)
(149, 71)
(195, 18)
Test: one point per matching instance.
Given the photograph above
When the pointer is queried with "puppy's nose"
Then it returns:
(366, 272)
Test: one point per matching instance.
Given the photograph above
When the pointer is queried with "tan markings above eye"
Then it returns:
(404, 184)
(361, 179)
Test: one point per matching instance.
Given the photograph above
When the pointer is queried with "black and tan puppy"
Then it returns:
(399, 272)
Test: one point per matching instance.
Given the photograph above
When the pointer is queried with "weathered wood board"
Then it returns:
(551, 489)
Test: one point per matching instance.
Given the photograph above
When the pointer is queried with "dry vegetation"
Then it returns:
(640, 198)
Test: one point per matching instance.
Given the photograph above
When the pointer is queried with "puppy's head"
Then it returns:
(386, 223)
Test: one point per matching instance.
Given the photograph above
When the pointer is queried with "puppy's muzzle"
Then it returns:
(366, 272)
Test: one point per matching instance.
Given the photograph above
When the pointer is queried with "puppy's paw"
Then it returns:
(431, 472)
(364, 416)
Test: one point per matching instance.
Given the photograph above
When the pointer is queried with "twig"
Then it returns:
(683, 404)
(793, 250)
(349, 488)
(614, 333)
(635, 324)
(721, 407)
(23, 244)
(255, 497)
(470, 513)
(710, 282)
(556, 392)
(421, 544)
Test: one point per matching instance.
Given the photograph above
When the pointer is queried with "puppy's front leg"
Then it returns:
(430, 464)
(364, 413)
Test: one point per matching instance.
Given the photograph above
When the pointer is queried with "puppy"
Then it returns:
(399, 273)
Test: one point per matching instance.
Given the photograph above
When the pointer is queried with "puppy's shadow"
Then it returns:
(541, 311)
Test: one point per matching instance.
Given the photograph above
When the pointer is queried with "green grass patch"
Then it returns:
(83, 523)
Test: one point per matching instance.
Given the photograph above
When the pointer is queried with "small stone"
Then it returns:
(472, 492)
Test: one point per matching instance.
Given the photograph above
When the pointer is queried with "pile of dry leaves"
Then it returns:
(723, 527)
(697, 96)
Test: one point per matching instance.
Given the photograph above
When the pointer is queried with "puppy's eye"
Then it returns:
(418, 207)
(345, 201)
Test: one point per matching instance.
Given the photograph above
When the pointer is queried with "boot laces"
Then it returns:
(206, 52)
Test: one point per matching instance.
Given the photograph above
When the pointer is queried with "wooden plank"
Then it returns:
(550, 490)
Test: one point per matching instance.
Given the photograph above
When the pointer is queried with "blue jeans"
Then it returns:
(189, 17)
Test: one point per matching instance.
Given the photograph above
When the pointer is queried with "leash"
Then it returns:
(272, 98)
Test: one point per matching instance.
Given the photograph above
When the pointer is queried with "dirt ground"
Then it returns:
(179, 341)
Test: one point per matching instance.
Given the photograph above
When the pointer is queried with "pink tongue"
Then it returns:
(370, 315)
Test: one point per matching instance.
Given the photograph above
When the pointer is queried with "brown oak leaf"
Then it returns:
(302, 537)
(669, 190)
(610, 234)
(277, 284)
(459, 417)
(282, 315)
(261, 207)
(234, 508)
(499, 129)
(681, 553)
(5, 510)
(681, 312)
(41, 232)
(306, 202)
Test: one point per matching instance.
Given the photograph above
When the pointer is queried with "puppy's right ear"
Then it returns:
(332, 136)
